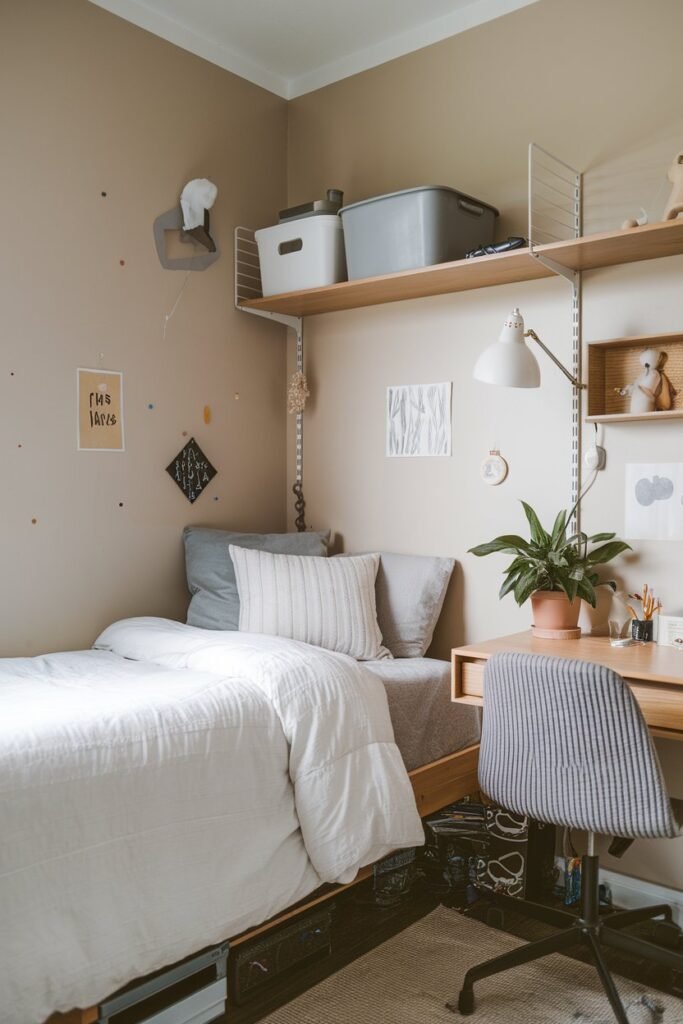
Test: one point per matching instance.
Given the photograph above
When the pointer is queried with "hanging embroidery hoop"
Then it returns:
(494, 469)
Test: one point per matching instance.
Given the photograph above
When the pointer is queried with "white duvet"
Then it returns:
(172, 788)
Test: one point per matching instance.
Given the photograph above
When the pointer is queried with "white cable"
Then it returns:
(168, 316)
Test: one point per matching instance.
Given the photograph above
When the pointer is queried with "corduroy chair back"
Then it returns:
(565, 742)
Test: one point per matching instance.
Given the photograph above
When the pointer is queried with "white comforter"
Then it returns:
(172, 788)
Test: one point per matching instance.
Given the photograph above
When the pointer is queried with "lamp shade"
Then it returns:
(509, 361)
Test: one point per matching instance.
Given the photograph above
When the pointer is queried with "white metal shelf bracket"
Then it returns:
(248, 286)
(556, 215)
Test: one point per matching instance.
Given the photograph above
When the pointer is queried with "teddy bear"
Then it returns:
(675, 204)
(652, 390)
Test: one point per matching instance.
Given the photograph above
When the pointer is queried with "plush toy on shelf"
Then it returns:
(675, 175)
(652, 391)
(675, 204)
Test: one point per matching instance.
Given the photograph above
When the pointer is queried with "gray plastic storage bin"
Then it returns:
(414, 228)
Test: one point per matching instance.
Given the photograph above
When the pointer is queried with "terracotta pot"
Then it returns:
(553, 610)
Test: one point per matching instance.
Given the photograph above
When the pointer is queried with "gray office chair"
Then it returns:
(565, 742)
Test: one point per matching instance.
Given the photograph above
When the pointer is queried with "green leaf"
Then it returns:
(577, 573)
(598, 537)
(606, 552)
(517, 564)
(585, 590)
(577, 538)
(509, 543)
(538, 534)
(559, 529)
(509, 584)
(525, 587)
(571, 589)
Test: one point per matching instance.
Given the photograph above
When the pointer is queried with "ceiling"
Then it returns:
(295, 46)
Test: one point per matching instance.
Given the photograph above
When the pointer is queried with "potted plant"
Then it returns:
(554, 570)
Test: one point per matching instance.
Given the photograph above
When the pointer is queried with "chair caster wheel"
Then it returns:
(466, 1001)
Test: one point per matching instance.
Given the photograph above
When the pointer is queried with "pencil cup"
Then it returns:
(642, 629)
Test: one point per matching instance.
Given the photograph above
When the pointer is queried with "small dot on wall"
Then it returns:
(216, 498)
(120, 504)
(237, 396)
(34, 521)
(122, 263)
(184, 433)
(20, 446)
(103, 194)
(150, 405)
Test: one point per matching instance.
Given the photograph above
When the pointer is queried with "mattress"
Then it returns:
(427, 724)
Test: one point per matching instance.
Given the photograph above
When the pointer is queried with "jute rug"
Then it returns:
(408, 980)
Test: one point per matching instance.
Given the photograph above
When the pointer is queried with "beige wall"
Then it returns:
(598, 84)
(90, 103)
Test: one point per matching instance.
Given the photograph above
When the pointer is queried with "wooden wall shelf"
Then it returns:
(588, 253)
(614, 363)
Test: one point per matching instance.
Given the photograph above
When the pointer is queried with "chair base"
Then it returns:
(589, 930)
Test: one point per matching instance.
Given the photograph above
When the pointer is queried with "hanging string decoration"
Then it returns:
(300, 507)
(297, 393)
(296, 401)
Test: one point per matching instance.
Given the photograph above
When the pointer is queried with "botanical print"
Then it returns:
(654, 501)
(419, 419)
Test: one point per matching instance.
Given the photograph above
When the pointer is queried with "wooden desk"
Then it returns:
(654, 673)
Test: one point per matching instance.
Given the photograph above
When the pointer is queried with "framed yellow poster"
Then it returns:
(100, 410)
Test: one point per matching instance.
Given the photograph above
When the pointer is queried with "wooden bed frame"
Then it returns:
(434, 785)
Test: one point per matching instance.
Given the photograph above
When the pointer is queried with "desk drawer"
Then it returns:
(467, 679)
(472, 675)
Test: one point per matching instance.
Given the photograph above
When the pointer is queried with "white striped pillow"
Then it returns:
(326, 602)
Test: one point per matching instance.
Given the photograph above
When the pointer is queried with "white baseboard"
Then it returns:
(629, 893)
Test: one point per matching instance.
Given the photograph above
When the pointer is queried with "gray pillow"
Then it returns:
(215, 603)
(410, 594)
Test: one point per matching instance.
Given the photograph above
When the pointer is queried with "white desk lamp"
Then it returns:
(510, 363)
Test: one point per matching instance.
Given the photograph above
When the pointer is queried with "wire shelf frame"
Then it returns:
(555, 198)
(247, 266)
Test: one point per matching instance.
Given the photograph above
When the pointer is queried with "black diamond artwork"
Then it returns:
(191, 470)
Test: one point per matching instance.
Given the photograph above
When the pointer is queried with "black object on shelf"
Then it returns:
(474, 848)
(513, 242)
(642, 629)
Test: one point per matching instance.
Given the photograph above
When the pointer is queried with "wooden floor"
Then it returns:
(359, 927)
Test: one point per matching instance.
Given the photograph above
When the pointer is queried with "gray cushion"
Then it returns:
(410, 595)
(215, 603)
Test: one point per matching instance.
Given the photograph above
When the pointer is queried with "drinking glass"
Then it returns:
(619, 632)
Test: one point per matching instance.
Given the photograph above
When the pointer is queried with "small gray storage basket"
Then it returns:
(414, 228)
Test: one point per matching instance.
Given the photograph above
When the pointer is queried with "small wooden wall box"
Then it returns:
(615, 363)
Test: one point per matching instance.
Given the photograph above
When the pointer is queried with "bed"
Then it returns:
(178, 785)
(136, 777)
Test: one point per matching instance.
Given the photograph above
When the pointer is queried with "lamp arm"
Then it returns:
(551, 355)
